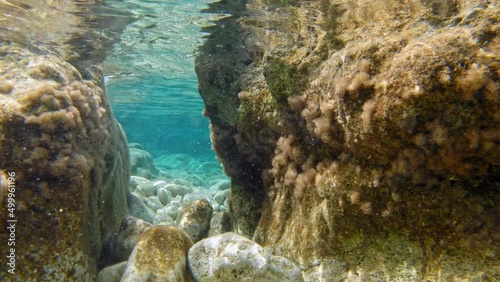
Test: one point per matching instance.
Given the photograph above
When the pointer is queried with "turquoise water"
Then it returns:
(150, 76)
(162, 114)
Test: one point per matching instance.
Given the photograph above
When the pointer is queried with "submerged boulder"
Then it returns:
(361, 144)
(159, 255)
(220, 223)
(142, 186)
(71, 165)
(112, 273)
(194, 219)
(177, 189)
(233, 258)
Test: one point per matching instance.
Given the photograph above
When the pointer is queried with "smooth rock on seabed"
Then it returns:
(354, 140)
(71, 162)
(361, 137)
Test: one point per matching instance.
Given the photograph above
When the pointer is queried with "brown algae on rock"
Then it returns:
(372, 136)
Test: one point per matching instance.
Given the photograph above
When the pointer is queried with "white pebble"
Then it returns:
(164, 196)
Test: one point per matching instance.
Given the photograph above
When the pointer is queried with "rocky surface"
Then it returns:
(138, 209)
(141, 162)
(361, 137)
(69, 155)
(182, 181)
(220, 223)
(112, 273)
(194, 219)
(159, 255)
(118, 244)
(230, 257)
(58, 134)
(70, 159)
(141, 186)
(174, 203)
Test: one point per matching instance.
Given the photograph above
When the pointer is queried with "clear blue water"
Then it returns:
(164, 115)
(150, 76)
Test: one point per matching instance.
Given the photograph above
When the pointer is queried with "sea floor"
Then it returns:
(175, 180)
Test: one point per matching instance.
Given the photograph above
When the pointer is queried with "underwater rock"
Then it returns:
(362, 145)
(159, 255)
(231, 257)
(70, 160)
(194, 219)
(215, 178)
(215, 206)
(135, 146)
(144, 173)
(177, 189)
(221, 196)
(244, 207)
(172, 209)
(226, 203)
(112, 273)
(142, 186)
(220, 223)
(177, 202)
(221, 185)
(141, 162)
(153, 203)
(203, 191)
(162, 217)
(138, 209)
(164, 196)
(118, 245)
(194, 196)
(158, 184)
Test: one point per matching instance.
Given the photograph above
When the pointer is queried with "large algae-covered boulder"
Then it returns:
(70, 160)
(160, 255)
(370, 128)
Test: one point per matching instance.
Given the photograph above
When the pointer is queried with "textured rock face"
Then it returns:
(160, 255)
(194, 219)
(70, 158)
(230, 257)
(372, 136)
(119, 244)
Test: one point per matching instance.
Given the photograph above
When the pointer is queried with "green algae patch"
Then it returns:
(282, 80)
